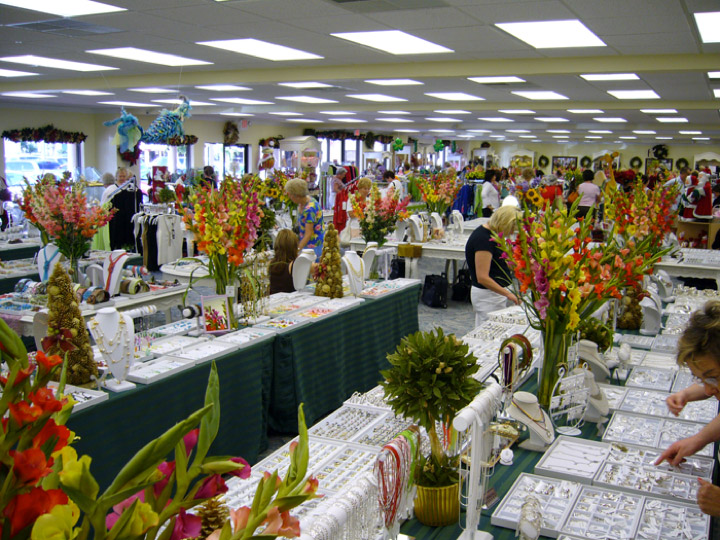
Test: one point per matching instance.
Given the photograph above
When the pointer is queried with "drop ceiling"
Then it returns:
(656, 39)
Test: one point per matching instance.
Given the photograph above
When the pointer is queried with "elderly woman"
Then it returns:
(488, 270)
(699, 350)
(310, 217)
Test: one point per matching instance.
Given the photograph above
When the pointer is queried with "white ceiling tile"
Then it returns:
(425, 18)
(539, 10)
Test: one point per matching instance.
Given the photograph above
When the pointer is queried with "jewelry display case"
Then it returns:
(651, 378)
(655, 359)
(601, 514)
(663, 519)
(653, 403)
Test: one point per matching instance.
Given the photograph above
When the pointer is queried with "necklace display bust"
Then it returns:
(526, 410)
(115, 337)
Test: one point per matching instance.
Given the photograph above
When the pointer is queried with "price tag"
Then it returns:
(230, 291)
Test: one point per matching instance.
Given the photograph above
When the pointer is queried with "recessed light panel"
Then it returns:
(701, 138)
(28, 95)
(380, 98)
(634, 94)
(539, 95)
(593, 137)
(663, 138)
(394, 112)
(237, 114)
(557, 131)
(495, 119)
(14, 73)
(223, 88)
(42, 61)
(480, 130)
(454, 96)
(516, 111)
(690, 132)
(149, 57)
(87, 93)
(407, 130)
(242, 101)
(442, 130)
(260, 49)
(395, 120)
(307, 84)
(394, 82)
(451, 111)
(628, 137)
(610, 77)
(443, 119)
(610, 119)
(496, 80)
(349, 120)
(152, 90)
(561, 136)
(551, 119)
(553, 34)
(306, 99)
(286, 113)
(126, 104)
(708, 24)
(341, 113)
(393, 42)
(526, 136)
(179, 101)
(518, 131)
(672, 119)
(659, 111)
(716, 91)
(305, 120)
(713, 74)
(66, 8)
(644, 132)
(604, 131)
(586, 111)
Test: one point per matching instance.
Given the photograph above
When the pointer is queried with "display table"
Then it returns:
(24, 250)
(681, 269)
(323, 363)
(112, 431)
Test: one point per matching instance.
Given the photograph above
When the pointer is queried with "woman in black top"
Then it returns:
(488, 270)
(280, 269)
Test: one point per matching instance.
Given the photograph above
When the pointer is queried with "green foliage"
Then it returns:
(434, 472)
(166, 195)
(597, 332)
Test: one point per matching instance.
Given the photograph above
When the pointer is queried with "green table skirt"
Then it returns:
(114, 430)
(323, 363)
(8, 284)
(22, 251)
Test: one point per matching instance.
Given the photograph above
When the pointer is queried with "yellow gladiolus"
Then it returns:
(75, 473)
(58, 524)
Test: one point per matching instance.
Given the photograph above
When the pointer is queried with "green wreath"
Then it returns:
(585, 162)
(636, 163)
(543, 161)
(682, 162)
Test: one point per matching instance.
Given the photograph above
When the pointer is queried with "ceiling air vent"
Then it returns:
(66, 27)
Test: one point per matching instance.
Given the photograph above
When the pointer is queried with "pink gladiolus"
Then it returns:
(167, 468)
(211, 486)
(243, 473)
(311, 486)
(120, 507)
(190, 440)
(186, 526)
(239, 518)
(215, 535)
(282, 524)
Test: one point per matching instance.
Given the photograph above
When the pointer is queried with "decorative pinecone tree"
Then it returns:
(213, 514)
(329, 272)
(67, 334)
(631, 316)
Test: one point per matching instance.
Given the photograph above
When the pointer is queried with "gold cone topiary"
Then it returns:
(66, 329)
(213, 514)
(329, 272)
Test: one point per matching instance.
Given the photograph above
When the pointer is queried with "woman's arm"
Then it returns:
(677, 401)
(483, 260)
(678, 450)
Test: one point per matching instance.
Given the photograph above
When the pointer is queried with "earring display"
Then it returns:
(555, 498)
(178, 328)
(637, 342)
(157, 369)
(285, 307)
(683, 379)
(650, 432)
(283, 324)
(652, 378)
(676, 323)
(662, 519)
(315, 312)
(374, 397)
(693, 466)
(204, 352)
(248, 336)
(655, 359)
(346, 422)
(652, 403)
(601, 514)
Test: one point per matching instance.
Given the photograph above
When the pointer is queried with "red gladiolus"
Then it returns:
(190, 440)
(60, 434)
(30, 465)
(23, 374)
(45, 399)
(24, 413)
(47, 362)
(167, 468)
(25, 508)
(213, 485)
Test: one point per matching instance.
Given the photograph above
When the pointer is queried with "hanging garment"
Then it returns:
(127, 204)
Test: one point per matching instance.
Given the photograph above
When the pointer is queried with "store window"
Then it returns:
(352, 151)
(336, 151)
(227, 159)
(32, 159)
(168, 158)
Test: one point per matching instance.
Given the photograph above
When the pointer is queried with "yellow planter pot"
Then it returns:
(437, 506)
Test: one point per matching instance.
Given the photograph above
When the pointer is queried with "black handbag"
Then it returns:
(435, 291)
(397, 268)
(461, 289)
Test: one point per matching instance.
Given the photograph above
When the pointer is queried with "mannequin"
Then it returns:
(526, 410)
(598, 407)
(416, 228)
(368, 257)
(588, 353)
(301, 268)
(115, 336)
(112, 270)
(47, 258)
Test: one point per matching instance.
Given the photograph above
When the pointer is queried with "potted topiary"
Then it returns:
(430, 381)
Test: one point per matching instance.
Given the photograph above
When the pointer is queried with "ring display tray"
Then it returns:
(204, 352)
(339, 470)
(637, 342)
(168, 345)
(495, 331)
(555, 496)
(655, 359)
(347, 422)
(509, 315)
(601, 514)
(653, 403)
(375, 397)
(318, 311)
(683, 379)
(287, 306)
(676, 323)
(248, 336)
(647, 480)
(652, 378)
(319, 451)
(636, 356)
(157, 369)
(382, 431)
(663, 519)
(650, 432)
(83, 397)
(177, 328)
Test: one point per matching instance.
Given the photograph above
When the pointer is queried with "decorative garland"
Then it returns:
(231, 134)
(349, 135)
(271, 141)
(543, 161)
(681, 162)
(636, 162)
(130, 156)
(585, 162)
(47, 133)
(660, 151)
(182, 141)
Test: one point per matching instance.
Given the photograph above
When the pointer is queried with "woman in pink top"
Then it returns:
(589, 195)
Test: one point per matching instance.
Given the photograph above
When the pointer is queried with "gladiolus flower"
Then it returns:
(166, 468)
(47, 362)
(60, 435)
(45, 399)
(30, 465)
(25, 508)
(57, 524)
(282, 524)
(23, 374)
(24, 413)
(239, 518)
(211, 486)
(186, 526)
(190, 440)
(244, 472)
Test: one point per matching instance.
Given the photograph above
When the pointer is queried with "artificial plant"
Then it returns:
(328, 273)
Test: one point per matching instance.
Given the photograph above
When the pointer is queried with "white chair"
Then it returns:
(355, 268)
(301, 268)
(369, 256)
(94, 273)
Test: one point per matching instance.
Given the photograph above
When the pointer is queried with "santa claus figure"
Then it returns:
(703, 197)
(689, 199)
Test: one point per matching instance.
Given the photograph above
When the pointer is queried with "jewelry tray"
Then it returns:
(661, 360)
(651, 378)
(637, 342)
(653, 403)
(248, 336)
(84, 397)
(206, 351)
(176, 328)
(600, 514)
(666, 343)
(283, 324)
(157, 369)
(683, 379)
(285, 306)
(663, 519)
(614, 394)
(168, 345)
(554, 509)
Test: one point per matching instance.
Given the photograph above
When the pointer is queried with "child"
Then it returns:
(286, 251)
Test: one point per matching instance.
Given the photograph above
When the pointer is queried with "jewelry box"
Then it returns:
(375, 397)
(636, 356)
(83, 397)
(683, 379)
(160, 368)
(652, 378)
(287, 306)
(647, 480)
(168, 345)
(655, 359)
(204, 352)
(341, 469)
(613, 394)
(510, 315)
(248, 336)
(495, 331)
(601, 514)
(666, 343)
(347, 422)
(317, 311)
(633, 456)
(577, 460)
(555, 497)
(319, 451)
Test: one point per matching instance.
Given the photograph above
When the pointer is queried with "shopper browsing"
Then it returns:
(310, 217)
(490, 193)
(589, 195)
(280, 270)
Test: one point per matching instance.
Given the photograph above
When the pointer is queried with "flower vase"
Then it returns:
(75, 274)
(556, 343)
(222, 281)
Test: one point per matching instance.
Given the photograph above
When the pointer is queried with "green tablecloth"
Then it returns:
(322, 364)
(20, 251)
(8, 284)
(114, 430)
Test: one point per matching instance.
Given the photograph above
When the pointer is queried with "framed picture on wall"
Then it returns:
(651, 164)
(564, 162)
(215, 313)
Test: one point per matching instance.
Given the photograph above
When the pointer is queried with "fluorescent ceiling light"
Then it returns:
(593, 137)
(66, 8)
(628, 137)
(393, 112)
(152, 90)
(393, 42)
(29, 95)
(451, 111)
(599, 131)
(716, 91)
(714, 74)
(242, 101)
(659, 111)
(149, 57)
(610, 76)
(349, 120)
(395, 120)
(126, 104)
(495, 119)
(305, 120)
(708, 23)
(442, 131)
(14, 73)
(663, 138)
(466, 135)
(518, 130)
(551, 119)
(308, 84)
(42, 61)
(516, 111)
(526, 136)
(376, 97)
(701, 138)
(179, 101)
(557, 131)
(497, 136)
(586, 111)
(553, 34)
(344, 113)
(644, 132)
(560, 136)
(223, 88)
(407, 131)
(454, 96)
(286, 113)
(443, 119)
(306, 99)
(544, 95)
(672, 119)
(609, 119)
(480, 130)
(260, 49)
(689, 132)
(496, 80)
(394, 82)
(236, 114)
(87, 93)
(634, 94)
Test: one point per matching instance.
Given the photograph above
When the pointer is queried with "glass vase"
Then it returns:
(556, 342)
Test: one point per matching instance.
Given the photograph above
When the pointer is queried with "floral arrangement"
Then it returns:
(478, 173)
(185, 140)
(379, 215)
(47, 133)
(439, 190)
(61, 212)
(273, 188)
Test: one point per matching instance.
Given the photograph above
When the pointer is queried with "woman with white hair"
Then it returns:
(310, 216)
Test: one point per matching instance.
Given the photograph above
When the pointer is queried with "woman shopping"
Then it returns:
(310, 217)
